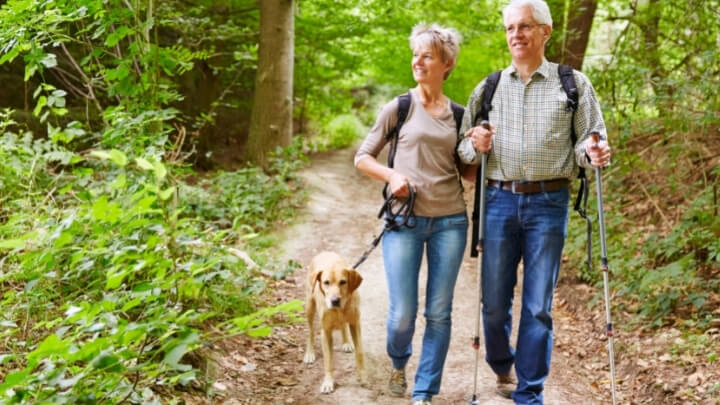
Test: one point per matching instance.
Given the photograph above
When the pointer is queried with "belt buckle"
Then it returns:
(512, 187)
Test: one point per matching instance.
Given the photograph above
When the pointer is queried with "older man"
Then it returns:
(531, 160)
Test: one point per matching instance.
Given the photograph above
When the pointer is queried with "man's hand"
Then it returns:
(481, 138)
(598, 151)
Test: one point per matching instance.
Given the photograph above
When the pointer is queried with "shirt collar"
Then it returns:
(544, 69)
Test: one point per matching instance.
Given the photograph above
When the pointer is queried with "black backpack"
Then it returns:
(567, 79)
(393, 135)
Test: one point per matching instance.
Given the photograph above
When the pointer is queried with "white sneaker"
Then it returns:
(422, 403)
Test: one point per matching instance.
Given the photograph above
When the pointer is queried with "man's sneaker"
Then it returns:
(397, 384)
(425, 402)
(506, 385)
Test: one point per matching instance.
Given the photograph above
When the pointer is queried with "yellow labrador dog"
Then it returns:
(332, 293)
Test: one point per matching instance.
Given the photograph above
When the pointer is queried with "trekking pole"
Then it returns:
(480, 248)
(609, 330)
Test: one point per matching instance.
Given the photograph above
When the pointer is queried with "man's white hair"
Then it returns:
(540, 10)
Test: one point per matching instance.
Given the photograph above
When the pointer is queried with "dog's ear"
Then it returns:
(317, 279)
(354, 279)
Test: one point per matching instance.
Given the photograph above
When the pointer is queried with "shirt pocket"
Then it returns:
(560, 113)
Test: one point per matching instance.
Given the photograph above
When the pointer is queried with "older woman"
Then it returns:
(425, 161)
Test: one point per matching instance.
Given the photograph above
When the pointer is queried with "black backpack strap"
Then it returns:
(491, 84)
(458, 112)
(393, 135)
(567, 79)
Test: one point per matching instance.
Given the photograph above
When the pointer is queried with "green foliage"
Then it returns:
(660, 64)
(115, 278)
(353, 56)
(659, 276)
(342, 131)
(110, 263)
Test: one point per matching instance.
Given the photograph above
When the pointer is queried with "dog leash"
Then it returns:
(404, 210)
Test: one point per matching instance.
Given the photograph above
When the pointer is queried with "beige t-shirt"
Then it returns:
(425, 154)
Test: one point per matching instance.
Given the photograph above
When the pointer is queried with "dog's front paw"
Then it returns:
(328, 385)
(362, 379)
(309, 357)
(348, 347)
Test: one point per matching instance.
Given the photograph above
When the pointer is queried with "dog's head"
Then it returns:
(337, 285)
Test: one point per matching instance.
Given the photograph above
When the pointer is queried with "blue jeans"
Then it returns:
(445, 239)
(532, 227)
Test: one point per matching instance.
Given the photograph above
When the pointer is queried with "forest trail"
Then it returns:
(341, 216)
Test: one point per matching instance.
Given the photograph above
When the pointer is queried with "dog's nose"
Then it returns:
(335, 301)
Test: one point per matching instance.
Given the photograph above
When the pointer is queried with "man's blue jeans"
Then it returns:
(445, 239)
(532, 227)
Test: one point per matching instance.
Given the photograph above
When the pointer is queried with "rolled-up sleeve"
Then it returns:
(588, 118)
(375, 140)
(465, 150)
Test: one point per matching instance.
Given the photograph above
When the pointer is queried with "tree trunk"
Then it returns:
(554, 45)
(577, 34)
(271, 119)
(649, 22)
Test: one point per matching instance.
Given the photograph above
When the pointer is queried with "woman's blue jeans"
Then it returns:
(532, 227)
(403, 248)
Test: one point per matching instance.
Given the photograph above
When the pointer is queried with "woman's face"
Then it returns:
(427, 65)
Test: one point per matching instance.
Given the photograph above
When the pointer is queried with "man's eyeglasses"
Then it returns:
(522, 27)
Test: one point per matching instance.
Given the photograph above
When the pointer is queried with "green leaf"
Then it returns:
(160, 171)
(101, 154)
(119, 182)
(173, 356)
(115, 280)
(42, 102)
(167, 193)
(260, 332)
(52, 345)
(64, 239)
(115, 37)
(49, 60)
(118, 157)
(143, 163)
(9, 244)
(13, 379)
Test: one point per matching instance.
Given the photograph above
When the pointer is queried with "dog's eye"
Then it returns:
(326, 282)
(343, 282)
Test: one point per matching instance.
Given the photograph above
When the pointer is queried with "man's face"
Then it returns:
(525, 37)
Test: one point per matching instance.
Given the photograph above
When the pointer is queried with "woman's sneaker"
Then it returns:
(397, 384)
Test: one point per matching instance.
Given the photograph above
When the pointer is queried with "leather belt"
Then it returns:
(530, 187)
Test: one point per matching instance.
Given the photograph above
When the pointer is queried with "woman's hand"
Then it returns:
(399, 184)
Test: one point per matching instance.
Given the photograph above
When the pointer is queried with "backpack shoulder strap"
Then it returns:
(567, 79)
(491, 84)
(402, 113)
(393, 135)
(458, 112)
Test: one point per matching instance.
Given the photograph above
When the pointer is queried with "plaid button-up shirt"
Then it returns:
(532, 140)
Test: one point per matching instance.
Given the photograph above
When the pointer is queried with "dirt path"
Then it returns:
(340, 216)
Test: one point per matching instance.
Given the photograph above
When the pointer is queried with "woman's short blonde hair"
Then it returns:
(444, 41)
